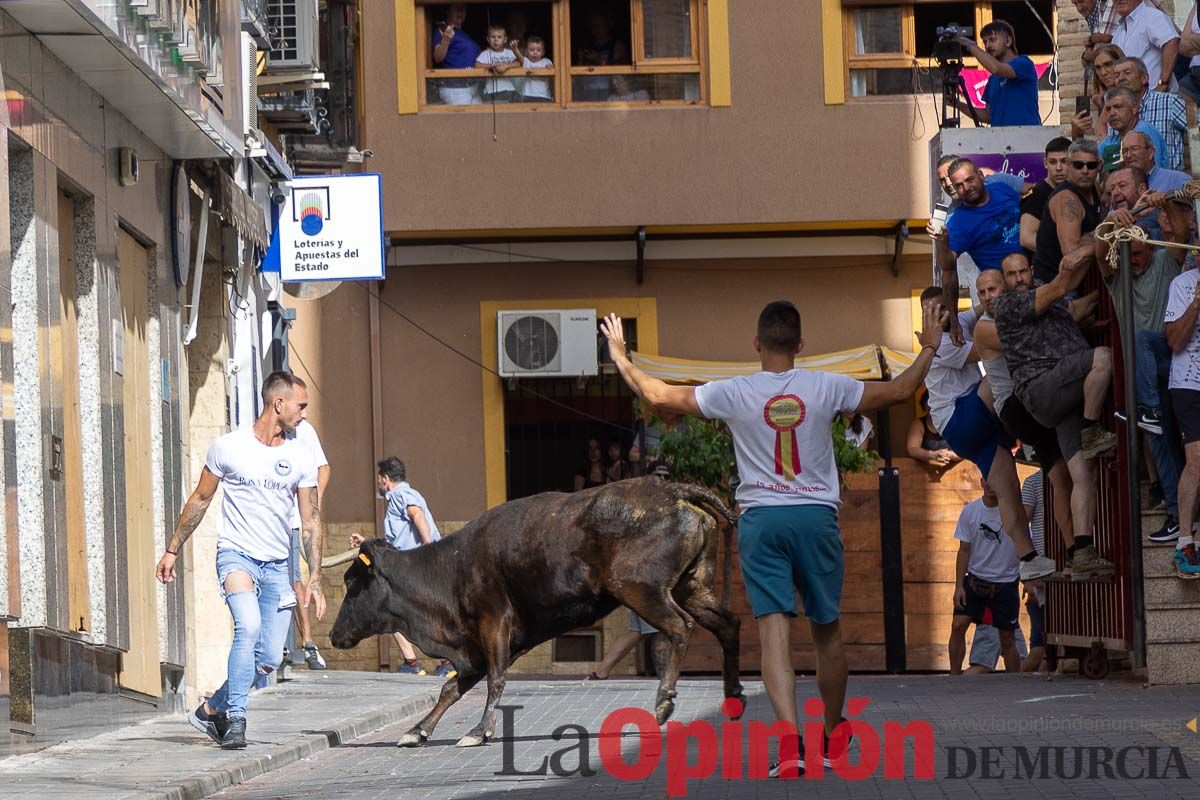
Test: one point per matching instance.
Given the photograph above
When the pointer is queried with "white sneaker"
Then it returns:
(1037, 567)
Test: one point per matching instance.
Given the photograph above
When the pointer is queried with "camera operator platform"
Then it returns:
(1011, 95)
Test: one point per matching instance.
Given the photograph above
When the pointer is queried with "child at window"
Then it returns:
(498, 59)
(624, 90)
(536, 90)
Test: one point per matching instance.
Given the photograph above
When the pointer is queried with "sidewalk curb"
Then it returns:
(209, 782)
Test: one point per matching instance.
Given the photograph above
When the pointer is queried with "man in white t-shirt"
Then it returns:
(1183, 337)
(263, 470)
(781, 419)
(306, 435)
(986, 577)
(960, 403)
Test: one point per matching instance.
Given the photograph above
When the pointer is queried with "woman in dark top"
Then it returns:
(593, 473)
(925, 444)
(617, 466)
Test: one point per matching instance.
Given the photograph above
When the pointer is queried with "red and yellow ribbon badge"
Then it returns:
(784, 413)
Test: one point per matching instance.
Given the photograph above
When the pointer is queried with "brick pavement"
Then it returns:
(994, 711)
(166, 758)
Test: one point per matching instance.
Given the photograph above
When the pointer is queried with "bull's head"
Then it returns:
(364, 610)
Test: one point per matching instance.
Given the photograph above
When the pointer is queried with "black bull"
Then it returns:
(532, 569)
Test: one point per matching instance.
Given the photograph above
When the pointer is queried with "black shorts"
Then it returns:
(1055, 399)
(1004, 599)
(1020, 424)
(1186, 405)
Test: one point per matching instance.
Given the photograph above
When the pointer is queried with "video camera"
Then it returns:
(947, 48)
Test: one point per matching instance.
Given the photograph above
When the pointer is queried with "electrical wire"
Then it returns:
(484, 367)
(292, 351)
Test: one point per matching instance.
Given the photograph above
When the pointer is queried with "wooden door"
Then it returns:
(72, 477)
(140, 665)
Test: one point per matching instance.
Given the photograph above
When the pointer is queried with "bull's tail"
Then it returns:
(707, 500)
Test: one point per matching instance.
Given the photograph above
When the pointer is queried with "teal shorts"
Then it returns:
(790, 549)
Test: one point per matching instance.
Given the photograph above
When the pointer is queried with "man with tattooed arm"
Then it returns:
(264, 469)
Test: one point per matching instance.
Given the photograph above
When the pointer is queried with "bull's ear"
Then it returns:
(366, 555)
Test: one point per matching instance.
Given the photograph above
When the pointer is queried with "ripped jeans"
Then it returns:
(261, 620)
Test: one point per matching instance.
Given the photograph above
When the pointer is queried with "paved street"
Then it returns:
(969, 713)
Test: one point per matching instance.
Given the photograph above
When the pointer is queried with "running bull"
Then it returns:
(532, 569)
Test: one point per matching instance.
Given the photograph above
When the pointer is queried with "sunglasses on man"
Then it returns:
(1085, 164)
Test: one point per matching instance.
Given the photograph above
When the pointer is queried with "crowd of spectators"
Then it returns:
(1044, 384)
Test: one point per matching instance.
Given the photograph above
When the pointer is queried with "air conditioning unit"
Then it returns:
(295, 28)
(547, 343)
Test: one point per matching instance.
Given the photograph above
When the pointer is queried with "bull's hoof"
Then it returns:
(411, 739)
(664, 710)
(735, 703)
(471, 740)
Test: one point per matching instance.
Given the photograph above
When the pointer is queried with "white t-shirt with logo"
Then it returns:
(498, 83)
(782, 433)
(1185, 365)
(993, 554)
(260, 485)
(306, 434)
(950, 375)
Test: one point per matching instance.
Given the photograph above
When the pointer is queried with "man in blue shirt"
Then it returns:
(986, 226)
(453, 48)
(1011, 94)
(407, 525)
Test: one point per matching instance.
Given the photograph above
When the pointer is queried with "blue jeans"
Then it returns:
(261, 619)
(1153, 368)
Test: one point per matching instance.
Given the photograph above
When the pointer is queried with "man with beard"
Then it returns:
(1060, 379)
(1073, 210)
(959, 403)
(1020, 424)
(1011, 94)
(265, 470)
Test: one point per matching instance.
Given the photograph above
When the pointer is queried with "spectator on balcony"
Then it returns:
(453, 48)
(1152, 274)
(536, 90)
(1137, 150)
(498, 59)
(1189, 46)
(1011, 96)
(593, 471)
(604, 50)
(1095, 121)
(1120, 104)
(1034, 203)
(1072, 211)
(960, 404)
(1146, 32)
(1163, 111)
(1061, 380)
(986, 225)
(1183, 337)
(1019, 423)
(1101, 20)
(985, 576)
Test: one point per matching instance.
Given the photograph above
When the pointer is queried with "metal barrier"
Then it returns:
(1099, 615)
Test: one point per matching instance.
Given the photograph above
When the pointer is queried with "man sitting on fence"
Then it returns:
(1059, 377)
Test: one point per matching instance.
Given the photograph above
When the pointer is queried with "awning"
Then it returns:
(238, 209)
(864, 363)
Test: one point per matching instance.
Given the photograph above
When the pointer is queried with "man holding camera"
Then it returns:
(1011, 94)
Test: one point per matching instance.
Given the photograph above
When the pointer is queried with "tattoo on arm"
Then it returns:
(1069, 208)
(311, 535)
(189, 520)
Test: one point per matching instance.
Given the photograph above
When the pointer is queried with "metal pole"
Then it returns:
(891, 546)
(1132, 460)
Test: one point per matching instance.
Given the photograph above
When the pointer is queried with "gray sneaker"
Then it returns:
(1087, 563)
(1097, 441)
(312, 657)
(1038, 567)
(235, 736)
